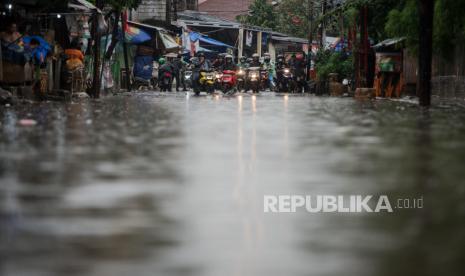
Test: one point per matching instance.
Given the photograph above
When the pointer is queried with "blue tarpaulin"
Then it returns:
(41, 51)
(196, 36)
(143, 67)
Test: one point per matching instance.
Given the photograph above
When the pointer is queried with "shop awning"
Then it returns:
(200, 49)
(169, 42)
(289, 39)
(135, 35)
(82, 5)
(389, 42)
(196, 36)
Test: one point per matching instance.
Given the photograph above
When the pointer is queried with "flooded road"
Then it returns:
(172, 185)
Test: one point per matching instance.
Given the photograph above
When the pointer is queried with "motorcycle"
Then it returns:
(253, 79)
(166, 81)
(141, 83)
(286, 81)
(188, 78)
(218, 82)
(264, 79)
(228, 81)
(300, 83)
(206, 82)
(241, 79)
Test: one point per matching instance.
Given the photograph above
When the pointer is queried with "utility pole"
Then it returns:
(175, 10)
(323, 25)
(168, 12)
(310, 38)
(96, 37)
(240, 46)
(125, 51)
(425, 60)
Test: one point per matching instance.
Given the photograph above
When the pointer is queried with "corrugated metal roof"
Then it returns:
(289, 39)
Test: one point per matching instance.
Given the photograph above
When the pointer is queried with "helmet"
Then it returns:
(228, 57)
(255, 55)
(243, 59)
(267, 57)
(249, 60)
(161, 61)
(201, 54)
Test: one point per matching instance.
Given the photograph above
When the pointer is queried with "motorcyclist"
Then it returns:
(255, 61)
(280, 62)
(199, 64)
(298, 65)
(165, 67)
(219, 62)
(269, 65)
(243, 62)
(229, 63)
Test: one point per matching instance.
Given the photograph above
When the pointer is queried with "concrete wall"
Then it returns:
(151, 9)
(450, 87)
(156, 9)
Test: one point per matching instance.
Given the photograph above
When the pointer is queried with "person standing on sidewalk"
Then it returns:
(179, 66)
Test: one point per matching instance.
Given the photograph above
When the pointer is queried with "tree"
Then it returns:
(293, 17)
(448, 31)
(261, 14)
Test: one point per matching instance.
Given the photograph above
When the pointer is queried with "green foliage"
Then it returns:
(292, 17)
(261, 14)
(328, 62)
(403, 22)
(449, 25)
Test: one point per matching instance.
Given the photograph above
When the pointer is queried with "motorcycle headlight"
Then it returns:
(219, 76)
(209, 77)
(254, 76)
(287, 71)
(240, 72)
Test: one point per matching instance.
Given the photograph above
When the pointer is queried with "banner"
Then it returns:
(249, 39)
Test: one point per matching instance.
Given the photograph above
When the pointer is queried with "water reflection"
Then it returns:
(168, 184)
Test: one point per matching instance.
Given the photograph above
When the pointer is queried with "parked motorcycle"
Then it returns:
(253, 79)
(139, 83)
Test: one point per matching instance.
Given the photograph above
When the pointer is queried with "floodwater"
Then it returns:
(172, 185)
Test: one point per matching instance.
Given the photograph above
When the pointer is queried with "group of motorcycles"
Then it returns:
(254, 79)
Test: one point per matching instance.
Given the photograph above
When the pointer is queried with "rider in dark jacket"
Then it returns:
(165, 67)
(255, 61)
(298, 66)
(199, 64)
(229, 64)
(219, 62)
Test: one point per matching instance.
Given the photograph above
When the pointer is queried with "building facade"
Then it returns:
(225, 9)
(158, 9)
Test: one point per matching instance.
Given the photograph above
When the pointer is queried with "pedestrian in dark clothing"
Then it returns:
(178, 72)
